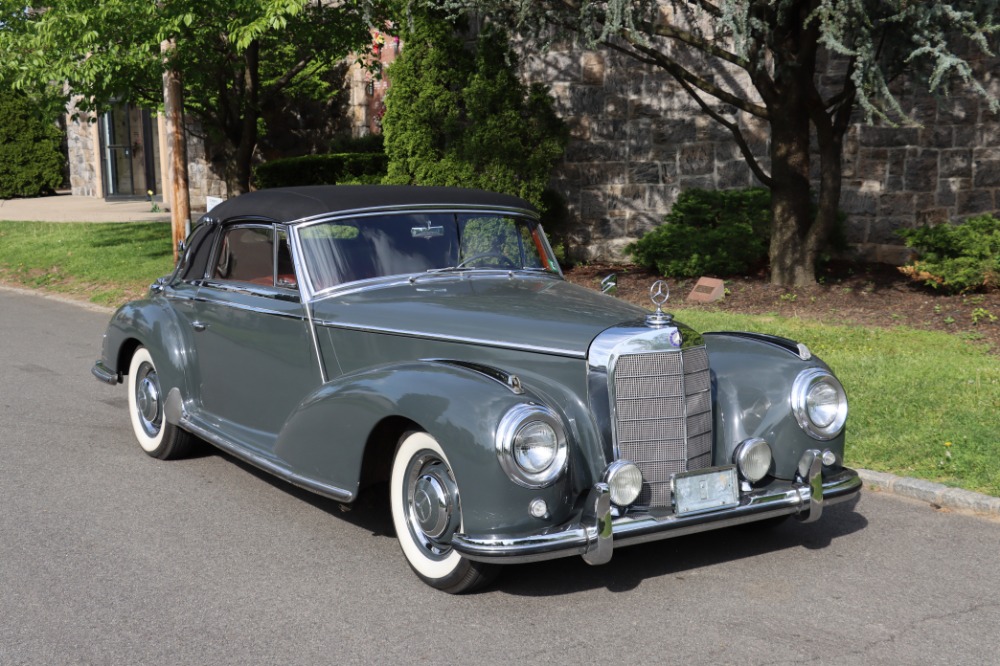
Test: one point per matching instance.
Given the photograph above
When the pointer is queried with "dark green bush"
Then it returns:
(709, 232)
(338, 168)
(460, 116)
(31, 161)
(956, 257)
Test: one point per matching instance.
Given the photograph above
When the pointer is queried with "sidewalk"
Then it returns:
(64, 207)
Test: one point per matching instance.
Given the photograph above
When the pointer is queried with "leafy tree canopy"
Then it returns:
(766, 58)
(234, 56)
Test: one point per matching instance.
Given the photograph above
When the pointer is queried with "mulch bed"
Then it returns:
(848, 293)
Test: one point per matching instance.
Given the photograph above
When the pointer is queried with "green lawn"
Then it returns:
(923, 404)
(100, 262)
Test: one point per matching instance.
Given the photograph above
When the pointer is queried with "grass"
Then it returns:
(923, 403)
(105, 263)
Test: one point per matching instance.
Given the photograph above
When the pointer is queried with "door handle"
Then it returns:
(199, 326)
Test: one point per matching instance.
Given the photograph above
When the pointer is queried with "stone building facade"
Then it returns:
(123, 154)
(638, 140)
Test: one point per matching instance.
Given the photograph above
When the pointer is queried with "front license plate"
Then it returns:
(705, 490)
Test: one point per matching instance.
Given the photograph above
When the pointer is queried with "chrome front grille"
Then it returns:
(663, 416)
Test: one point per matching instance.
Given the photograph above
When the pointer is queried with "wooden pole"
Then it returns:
(173, 111)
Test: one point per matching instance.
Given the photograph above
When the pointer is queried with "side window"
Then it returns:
(246, 255)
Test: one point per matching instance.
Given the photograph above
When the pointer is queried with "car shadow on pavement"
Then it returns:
(675, 557)
(628, 568)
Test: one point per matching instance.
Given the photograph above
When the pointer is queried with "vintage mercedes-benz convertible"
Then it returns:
(342, 337)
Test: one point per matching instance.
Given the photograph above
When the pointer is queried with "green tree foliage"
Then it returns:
(461, 116)
(709, 233)
(31, 162)
(956, 257)
(329, 169)
(235, 57)
(767, 59)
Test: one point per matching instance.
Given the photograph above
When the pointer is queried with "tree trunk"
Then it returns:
(792, 256)
(245, 142)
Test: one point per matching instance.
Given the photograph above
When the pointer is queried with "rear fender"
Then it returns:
(158, 328)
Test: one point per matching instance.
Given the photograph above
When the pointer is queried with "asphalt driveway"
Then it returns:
(110, 557)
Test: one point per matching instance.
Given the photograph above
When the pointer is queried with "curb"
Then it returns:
(935, 494)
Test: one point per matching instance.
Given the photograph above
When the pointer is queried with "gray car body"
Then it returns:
(318, 388)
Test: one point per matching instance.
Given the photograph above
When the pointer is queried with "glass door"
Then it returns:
(130, 152)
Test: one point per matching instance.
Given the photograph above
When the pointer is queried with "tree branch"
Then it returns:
(679, 72)
(691, 39)
(737, 133)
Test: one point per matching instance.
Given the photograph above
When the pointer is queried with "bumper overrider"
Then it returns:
(598, 532)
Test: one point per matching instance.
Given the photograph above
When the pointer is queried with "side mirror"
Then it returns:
(609, 285)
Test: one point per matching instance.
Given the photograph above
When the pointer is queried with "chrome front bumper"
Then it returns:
(598, 533)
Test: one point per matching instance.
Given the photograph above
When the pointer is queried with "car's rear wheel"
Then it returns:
(156, 436)
(426, 512)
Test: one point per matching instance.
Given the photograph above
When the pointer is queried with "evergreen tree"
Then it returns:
(459, 115)
(31, 161)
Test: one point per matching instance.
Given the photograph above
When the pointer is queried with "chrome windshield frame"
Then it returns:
(310, 295)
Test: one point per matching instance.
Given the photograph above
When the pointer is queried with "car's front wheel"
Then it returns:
(156, 436)
(426, 512)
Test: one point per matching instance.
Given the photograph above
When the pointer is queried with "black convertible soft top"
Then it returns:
(287, 204)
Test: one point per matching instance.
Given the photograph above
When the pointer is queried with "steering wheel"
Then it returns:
(506, 262)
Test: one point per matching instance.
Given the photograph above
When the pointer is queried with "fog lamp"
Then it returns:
(624, 481)
(753, 459)
(829, 458)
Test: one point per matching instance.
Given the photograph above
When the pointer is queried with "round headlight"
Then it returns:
(819, 403)
(531, 445)
(753, 459)
(624, 481)
(535, 447)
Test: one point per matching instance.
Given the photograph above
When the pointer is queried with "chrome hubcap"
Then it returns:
(431, 504)
(147, 402)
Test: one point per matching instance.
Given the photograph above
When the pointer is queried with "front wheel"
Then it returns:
(156, 436)
(426, 512)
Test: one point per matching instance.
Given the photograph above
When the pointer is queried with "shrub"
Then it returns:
(709, 232)
(338, 168)
(956, 257)
(31, 160)
(462, 117)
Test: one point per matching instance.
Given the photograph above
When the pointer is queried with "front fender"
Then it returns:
(752, 380)
(325, 437)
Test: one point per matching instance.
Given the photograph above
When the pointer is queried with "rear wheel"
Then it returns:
(145, 406)
(426, 513)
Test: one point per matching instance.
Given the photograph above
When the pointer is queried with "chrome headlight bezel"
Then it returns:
(806, 384)
(516, 420)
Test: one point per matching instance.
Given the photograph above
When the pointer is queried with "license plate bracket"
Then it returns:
(705, 490)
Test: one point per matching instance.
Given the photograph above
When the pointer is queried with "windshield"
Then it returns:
(345, 250)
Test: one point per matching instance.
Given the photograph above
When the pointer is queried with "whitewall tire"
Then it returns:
(145, 407)
(426, 512)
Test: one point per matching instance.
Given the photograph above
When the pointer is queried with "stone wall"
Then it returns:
(82, 155)
(638, 139)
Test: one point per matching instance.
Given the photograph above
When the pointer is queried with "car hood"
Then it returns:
(526, 312)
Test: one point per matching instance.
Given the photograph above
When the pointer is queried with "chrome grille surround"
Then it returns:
(652, 402)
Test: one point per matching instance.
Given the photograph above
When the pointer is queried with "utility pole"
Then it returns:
(173, 111)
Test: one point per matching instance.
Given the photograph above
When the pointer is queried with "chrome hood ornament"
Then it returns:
(659, 292)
